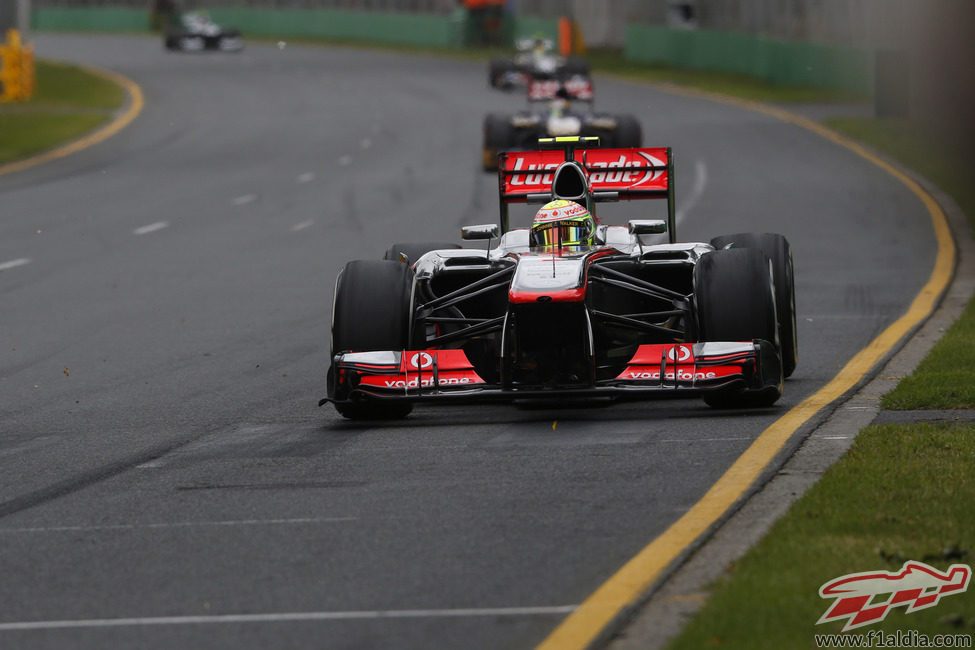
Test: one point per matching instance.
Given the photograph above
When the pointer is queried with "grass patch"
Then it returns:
(68, 103)
(945, 379)
(64, 85)
(25, 134)
(901, 493)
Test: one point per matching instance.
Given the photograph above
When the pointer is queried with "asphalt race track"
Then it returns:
(166, 476)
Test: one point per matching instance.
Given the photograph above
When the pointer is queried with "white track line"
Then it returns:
(12, 264)
(286, 616)
(152, 227)
(302, 225)
(245, 199)
(176, 524)
(307, 177)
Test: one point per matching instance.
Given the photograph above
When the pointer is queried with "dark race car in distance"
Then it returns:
(631, 314)
(196, 32)
(535, 58)
(556, 108)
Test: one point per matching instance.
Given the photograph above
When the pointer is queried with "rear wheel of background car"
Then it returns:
(776, 248)
(372, 312)
(497, 137)
(192, 43)
(576, 66)
(497, 69)
(414, 251)
(628, 132)
(733, 294)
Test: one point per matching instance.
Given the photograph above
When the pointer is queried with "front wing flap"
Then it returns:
(431, 375)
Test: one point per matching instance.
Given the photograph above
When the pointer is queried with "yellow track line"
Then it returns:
(630, 583)
(120, 121)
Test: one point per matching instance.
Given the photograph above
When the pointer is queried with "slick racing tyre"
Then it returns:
(372, 311)
(628, 132)
(498, 136)
(414, 251)
(498, 70)
(735, 302)
(776, 248)
(575, 66)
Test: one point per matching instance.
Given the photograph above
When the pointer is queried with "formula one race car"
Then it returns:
(196, 32)
(535, 59)
(627, 313)
(556, 109)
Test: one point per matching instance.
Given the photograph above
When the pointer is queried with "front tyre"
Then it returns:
(372, 311)
(776, 247)
(735, 302)
(498, 135)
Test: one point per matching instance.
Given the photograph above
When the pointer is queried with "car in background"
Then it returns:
(195, 31)
(535, 58)
(556, 108)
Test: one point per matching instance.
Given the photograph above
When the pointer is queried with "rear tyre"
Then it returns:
(372, 311)
(575, 66)
(498, 69)
(498, 136)
(734, 300)
(628, 132)
(777, 249)
(414, 251)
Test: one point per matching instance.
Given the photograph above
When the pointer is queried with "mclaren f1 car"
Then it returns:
(631, 315)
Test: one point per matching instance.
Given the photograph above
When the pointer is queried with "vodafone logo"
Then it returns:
(679, 353)
(421, 360)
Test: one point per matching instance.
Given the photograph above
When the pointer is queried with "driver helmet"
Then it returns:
(563, 223)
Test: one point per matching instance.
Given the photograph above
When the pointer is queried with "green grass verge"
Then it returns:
(68, 103)
(945, 379)
(63, 85)
(25, 134)
(901, 493)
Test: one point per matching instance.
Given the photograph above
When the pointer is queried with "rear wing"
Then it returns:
(610, 175)
(578, 88)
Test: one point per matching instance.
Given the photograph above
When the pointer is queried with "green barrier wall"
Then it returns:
(424, 30)
(530, 27)
(102, 19)
(395, 29)
(778, 62)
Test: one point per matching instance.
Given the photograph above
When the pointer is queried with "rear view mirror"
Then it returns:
(647, 226)
(481, 231)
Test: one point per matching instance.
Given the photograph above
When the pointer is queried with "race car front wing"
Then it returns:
(431, 375)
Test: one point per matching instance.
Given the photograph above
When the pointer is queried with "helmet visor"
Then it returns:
(564, 233)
